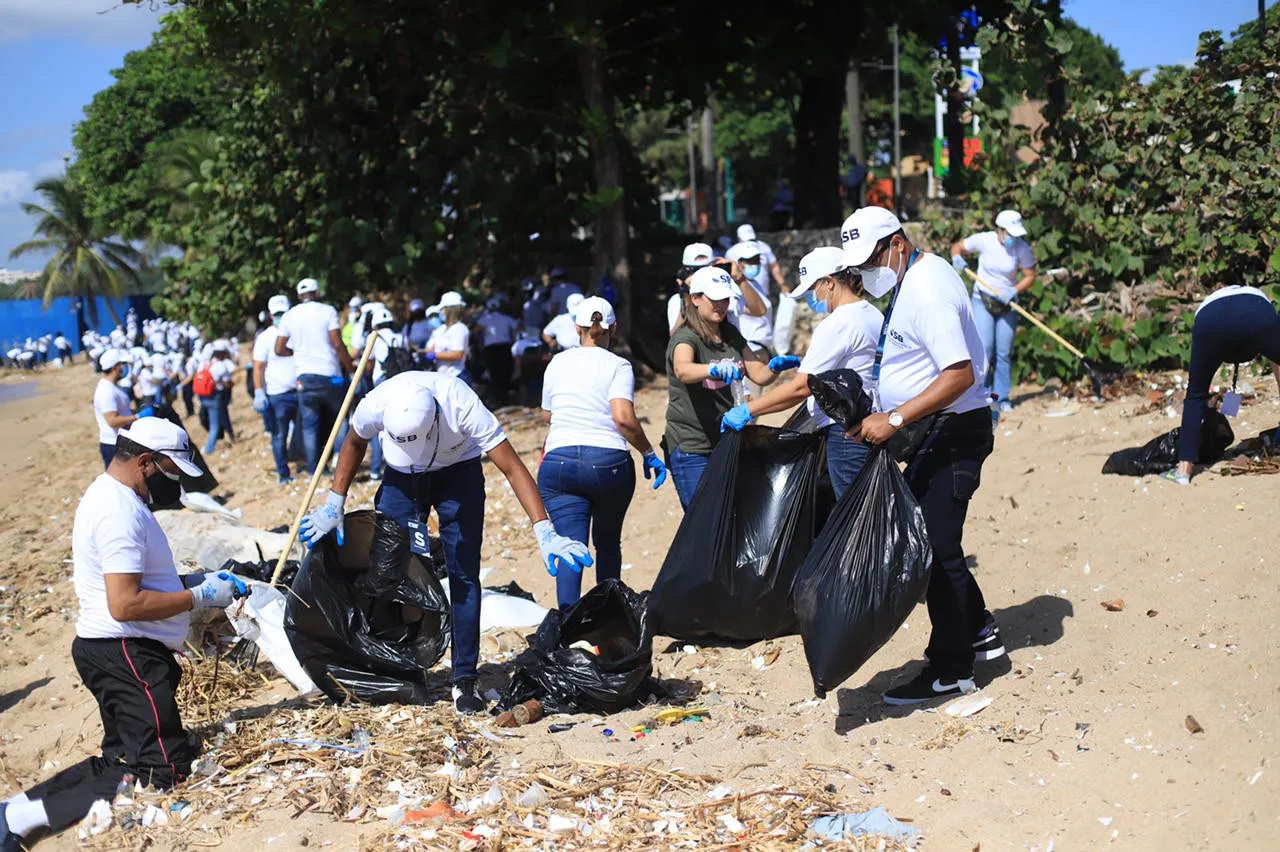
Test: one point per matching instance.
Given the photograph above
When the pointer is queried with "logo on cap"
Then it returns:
(849, 235)
(407, 439)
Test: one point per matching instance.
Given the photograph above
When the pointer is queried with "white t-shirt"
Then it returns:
(464, 428)
(222, 370)
(931, 328)
(306, 327)
(384, 339)
(564, 330)
(278, 375)
(758, 330)
(577, 388)
(496, 328)
(108, 397)
(844, 340)
(450, 338)
(997, 265)
(149, 382)
(1231, 290)
(115, 533)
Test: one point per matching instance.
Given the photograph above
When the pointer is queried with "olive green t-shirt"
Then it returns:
(694, 411)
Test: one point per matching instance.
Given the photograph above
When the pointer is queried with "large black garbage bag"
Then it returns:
(375, 648)
(840, 395)
(610, 617)
(1161, 453)
(864, 574)
(729, 571)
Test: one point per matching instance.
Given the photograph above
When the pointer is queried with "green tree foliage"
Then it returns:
(85, 262)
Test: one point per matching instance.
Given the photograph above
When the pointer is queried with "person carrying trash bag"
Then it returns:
(433, 430)
(845, 339)
(587, 478)
(932, 412)
(705, 357)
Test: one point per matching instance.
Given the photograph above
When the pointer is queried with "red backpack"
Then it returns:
(203, 383)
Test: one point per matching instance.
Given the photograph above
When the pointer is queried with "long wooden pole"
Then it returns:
(1035, 320)
(324, 457)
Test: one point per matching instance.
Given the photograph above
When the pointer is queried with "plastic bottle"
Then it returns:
(124, 790)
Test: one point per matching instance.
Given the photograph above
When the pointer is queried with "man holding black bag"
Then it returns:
(931, 412)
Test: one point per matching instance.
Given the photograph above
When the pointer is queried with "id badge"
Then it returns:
(419, 543)
(1230, 404)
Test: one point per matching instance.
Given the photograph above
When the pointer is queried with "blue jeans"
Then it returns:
(997, 339)
(457, 494)
(219, 419)
(686, 471)
(108, 453)
(282, 408)
(320, 398)
(587, 490)
(845, 458)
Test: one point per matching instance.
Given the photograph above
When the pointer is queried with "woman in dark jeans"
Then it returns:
(1234, 325)
(587, 477)
(705, 356)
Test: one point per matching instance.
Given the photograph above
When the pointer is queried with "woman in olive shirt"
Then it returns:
(704, 357)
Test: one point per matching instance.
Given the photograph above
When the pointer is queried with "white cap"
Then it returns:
(452, 299)
(697, 254)
(417, 305)
(572, 302)
(355, 302)
(161, 436)
(407, 421)
(278, 304)
(308, 285)
(588, 308)
(816, 265)
(746, 234)
(862, 230)
(221, 345)
(434, 310)
(749, 248)
(712, 282)
(110, 359)
(157, 360)
(381, 316)
(1011, 221)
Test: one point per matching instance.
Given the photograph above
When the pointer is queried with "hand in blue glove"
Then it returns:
(147, 411)
(319, 523)
(259, 400)
(430, 356)
(218, 590)
(558, 551)
(654, 466)
(782, 363)
(959, 263)
(736, 418)
(725, 372)
(1004, 297)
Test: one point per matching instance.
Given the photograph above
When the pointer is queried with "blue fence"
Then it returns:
(28, 317)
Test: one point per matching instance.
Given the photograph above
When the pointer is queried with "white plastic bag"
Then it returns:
(260, 619)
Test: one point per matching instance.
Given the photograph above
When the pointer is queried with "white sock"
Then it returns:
(20, 796)
(25, 817)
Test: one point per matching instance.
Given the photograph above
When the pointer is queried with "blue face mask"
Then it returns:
(434, 321)
(752, 270)
(818, 306)
(1009, 242)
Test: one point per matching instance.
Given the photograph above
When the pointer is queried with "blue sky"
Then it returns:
(55, 54)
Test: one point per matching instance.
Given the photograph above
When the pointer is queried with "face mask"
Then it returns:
(751, 271)
(434, 322)
(818, 306)
(1009, 242)
(879, 280)
(164, 488)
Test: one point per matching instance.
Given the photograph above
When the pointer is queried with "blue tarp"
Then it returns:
(25, 318)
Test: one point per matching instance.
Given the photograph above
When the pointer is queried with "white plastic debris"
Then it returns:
(493, 796)
(721, 792)
(534, 797)
(557, 824)
(967, 705)
(96, 821)
(259, 618)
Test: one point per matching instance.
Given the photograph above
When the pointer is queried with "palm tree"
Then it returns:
(84, 263)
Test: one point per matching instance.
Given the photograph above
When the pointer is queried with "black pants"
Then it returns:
(499, 362)
(944, 476)
(108, 453)
(189, 399)
(134, 681)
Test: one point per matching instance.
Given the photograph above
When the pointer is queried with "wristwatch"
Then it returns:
(895, 419)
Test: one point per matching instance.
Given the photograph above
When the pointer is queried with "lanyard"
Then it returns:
(884, 328)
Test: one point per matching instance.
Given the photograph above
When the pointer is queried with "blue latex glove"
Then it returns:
(319, 523)
(654, 467)
(218, 590)
(726, 373)
(560, 552)
(959, 263)
(430, 356)
(736, 418)
(259, 400)
(147, 411)
(782, 363)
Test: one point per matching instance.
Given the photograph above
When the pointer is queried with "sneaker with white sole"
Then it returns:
(927, 686)
(466, 698)
(988, 646)
(1172, 475)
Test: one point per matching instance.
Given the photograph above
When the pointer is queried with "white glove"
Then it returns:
(218, 590)
(259, 400)
(959, 262)
(560, 552)
(317, 525)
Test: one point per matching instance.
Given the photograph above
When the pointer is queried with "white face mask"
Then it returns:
(879, 280)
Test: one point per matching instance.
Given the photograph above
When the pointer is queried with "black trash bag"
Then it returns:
(728, 573)
(571, 680)
(1161, 453)
(375, 649)
(840, 395)
(864, 574)
(262, 571)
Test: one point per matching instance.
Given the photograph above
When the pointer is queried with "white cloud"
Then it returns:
(102, 21)
(14, 184)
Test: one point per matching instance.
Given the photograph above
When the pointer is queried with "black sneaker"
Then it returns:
(926, 687)
(466, 700)
(988, 646)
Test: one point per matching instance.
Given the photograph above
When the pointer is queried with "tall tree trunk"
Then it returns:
(609, 251)
(817, 157)
(953, 124)
(1057, 84)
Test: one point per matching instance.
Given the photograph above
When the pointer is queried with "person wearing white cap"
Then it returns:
(274, 395)
(354, 314)
(845, 339)
(745, 301)
(705, 356)
(562, 332)
(785, 317)
(928, 375)
(750, 258)
(449, 343)
(561, 289)
(433, 429)
(222, 373)
(309, 332)
(1003, 255)
(133, 616)
(422, 322)
(587, 477)
(111, 405)
(389, 356)
(497, 330)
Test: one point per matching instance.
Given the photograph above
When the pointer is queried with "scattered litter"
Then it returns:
(521, 714)
(1115, 605)
(967, 705)
(557, 824)
(197, 501)
(560, 727)
(1105, 820)
(1151, 613)
(534, 797)
(1192, 725)
(875, 822)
